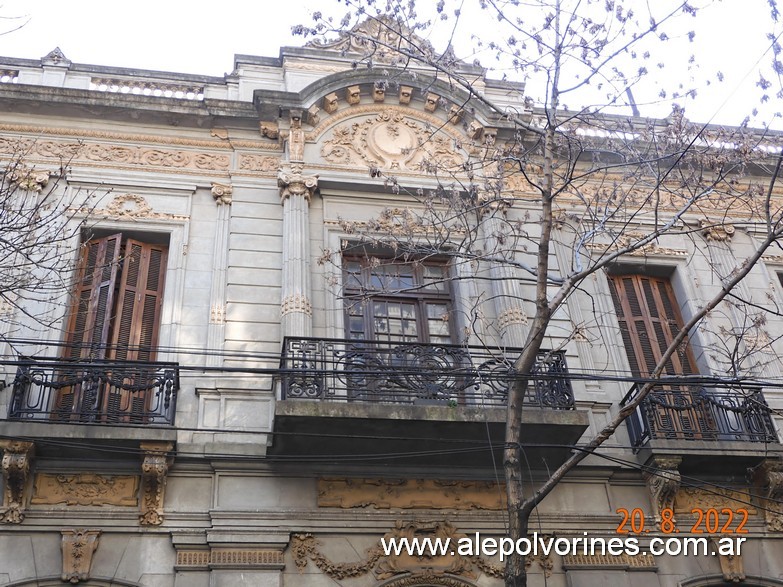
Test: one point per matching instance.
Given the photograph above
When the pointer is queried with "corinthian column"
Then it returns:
(296, 191)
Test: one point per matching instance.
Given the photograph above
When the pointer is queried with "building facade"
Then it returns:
(236, 388)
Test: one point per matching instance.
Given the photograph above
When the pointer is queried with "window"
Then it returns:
(649, 321)
(393, 301)
(115, 315)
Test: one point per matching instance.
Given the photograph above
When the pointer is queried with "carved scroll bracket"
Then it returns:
(292, 182)
(17, 456)
(78, 547)
(154, 467)
(663, 481)
(769, 476)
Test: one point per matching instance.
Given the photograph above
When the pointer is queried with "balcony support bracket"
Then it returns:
(663, 481)
(769, 476)
(154, 467)
(17, 456)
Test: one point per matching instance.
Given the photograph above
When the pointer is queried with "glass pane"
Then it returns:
(435, 277)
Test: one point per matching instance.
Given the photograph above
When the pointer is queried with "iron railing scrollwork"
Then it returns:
(413, 373)
(698, 412)
(95, 392)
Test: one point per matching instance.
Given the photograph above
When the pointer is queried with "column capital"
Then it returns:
(292, 182)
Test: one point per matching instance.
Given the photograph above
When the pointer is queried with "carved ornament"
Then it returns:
(86, 489)
(377, 38)
(292, 182)
(154, 467)
(78, 547)
(56, 57)
(330, 103)
(690, 498)
(296, 303)
(512, 316)
(28, 179)
(456, 114)
(663, 481)
(379, 92)
(269, 130)
(597, 561)
(769, 476)
(353, 95)
(217, 314)
(116, 154)
(406, 93)
(17, 456)
(391, 140)
(222, 193)
(718, 231)
(296, 138)
(313, 115)
(39, 131)
(731, 565)
(235, 558)
(305, 547)
(410, 494)
(258, 163)
(431, 102)
(631, 238)
(128, 206)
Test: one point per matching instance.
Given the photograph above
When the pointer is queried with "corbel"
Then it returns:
(17, 458)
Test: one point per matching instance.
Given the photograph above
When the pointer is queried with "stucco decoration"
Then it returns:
(392, 140)
(411, 494)
(716, 230)
(292, 182)
(306, 548)
(17, 457)
(78, 547)
(117, 154)
(663, 481)
(689, 498)
(154, 468)
(377, 38)
(731, 565)
(29, 179)
(258, 163)
(769, 476)
(87, 489)
(222, 193)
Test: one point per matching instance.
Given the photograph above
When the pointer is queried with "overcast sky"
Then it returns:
(184, 36)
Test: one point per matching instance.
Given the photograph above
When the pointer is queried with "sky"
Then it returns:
(187, 37)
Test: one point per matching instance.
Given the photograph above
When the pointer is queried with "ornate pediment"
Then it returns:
(383, 39)
(392, 139)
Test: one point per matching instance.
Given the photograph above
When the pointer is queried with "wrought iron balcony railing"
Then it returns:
(696, 412)
(108, 392)
(412, 373)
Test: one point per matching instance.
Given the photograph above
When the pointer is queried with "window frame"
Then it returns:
(363, 292)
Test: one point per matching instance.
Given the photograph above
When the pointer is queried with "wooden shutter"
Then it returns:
(91, 310)
(649, 321)
(135, 331)
(89, 323)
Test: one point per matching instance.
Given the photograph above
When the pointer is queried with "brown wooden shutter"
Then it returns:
(649, 321)
(135, 333)
(90, 317)
(136, 322)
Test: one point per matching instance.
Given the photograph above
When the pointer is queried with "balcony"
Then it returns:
(700, 421)
(54, 398)
(417, 403)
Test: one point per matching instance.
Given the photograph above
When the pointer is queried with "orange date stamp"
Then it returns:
(708, 521)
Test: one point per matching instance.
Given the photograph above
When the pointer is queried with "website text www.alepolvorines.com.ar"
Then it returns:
(546, 545)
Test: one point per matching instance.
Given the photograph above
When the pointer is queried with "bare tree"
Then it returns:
(561, 194)
(37, 227)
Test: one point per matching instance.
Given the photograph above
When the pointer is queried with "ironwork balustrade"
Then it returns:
(414, 373)
(698, 412)
(95, 392)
